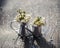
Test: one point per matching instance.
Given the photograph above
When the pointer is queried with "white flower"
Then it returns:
(42, 20)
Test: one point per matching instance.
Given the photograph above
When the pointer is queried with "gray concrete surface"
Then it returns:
(50, 9)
